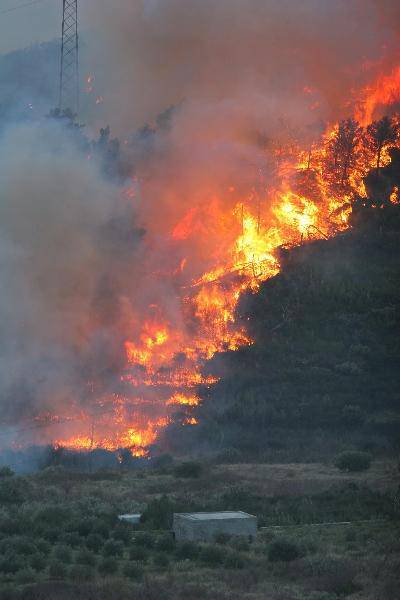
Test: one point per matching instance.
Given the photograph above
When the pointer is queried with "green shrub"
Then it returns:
(188, 470)
(283, 550)
(12, 490)
(240, 543)
(187, 550)
(85, 557)
(11, 563)
(161, 560)
(166, 543)
(133, 571)
(26, 575)
(222, 538)
(108, 566)
(353, 461)
(38, 562)
(80, 573)
(62, 554)
(6, 472)
(43, 546)
(57, 570)
(138, 553)
(234, 560)
(94, 542)
(212, 555)
(144, 539)
(113, 548)
(71, 539)
(123, 533)
(158, 513)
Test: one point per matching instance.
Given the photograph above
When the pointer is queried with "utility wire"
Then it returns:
(32, 3)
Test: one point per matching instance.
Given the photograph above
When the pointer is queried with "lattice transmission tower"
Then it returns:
(69, 67)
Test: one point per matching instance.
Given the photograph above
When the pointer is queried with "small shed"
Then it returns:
(134, 519)
(206, 525)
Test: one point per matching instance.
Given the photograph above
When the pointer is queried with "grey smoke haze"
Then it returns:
(238, 69)
(56, 256)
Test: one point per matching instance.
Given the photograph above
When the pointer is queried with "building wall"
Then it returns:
(187, 529)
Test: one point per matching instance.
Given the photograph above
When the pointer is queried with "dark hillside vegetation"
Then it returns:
(323, 372)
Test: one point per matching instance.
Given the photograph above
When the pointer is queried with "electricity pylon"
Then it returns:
(69, 67)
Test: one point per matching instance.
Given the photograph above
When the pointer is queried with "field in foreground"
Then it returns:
(61, 539)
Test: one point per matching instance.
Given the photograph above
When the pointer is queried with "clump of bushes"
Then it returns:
(188, 470)
(138, 554)
(187, 551)
(113, 548)
(133, 571)
(353, 461)
(283, 550)
(108, 566)
(212, 555)
(6, 472)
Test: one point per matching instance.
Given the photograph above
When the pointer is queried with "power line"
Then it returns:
(26, 5)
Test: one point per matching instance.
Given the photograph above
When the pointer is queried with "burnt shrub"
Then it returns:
(353, 461)
(57, 570)
(212, 555)
(187, 551)
(133, 571)
(283, 550)
(108, 566)
(113, 548)
(188, 470)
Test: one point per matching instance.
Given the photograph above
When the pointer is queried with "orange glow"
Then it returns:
(237, 235)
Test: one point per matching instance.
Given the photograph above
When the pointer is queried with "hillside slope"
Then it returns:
(323, 372)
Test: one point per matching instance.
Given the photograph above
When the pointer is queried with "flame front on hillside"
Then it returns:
(305, 194)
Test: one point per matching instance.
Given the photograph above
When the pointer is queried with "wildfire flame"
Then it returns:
(305, 205)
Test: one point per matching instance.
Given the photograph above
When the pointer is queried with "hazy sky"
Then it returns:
(22, 27)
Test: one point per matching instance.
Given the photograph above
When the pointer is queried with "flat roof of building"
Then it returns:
(213, 516)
